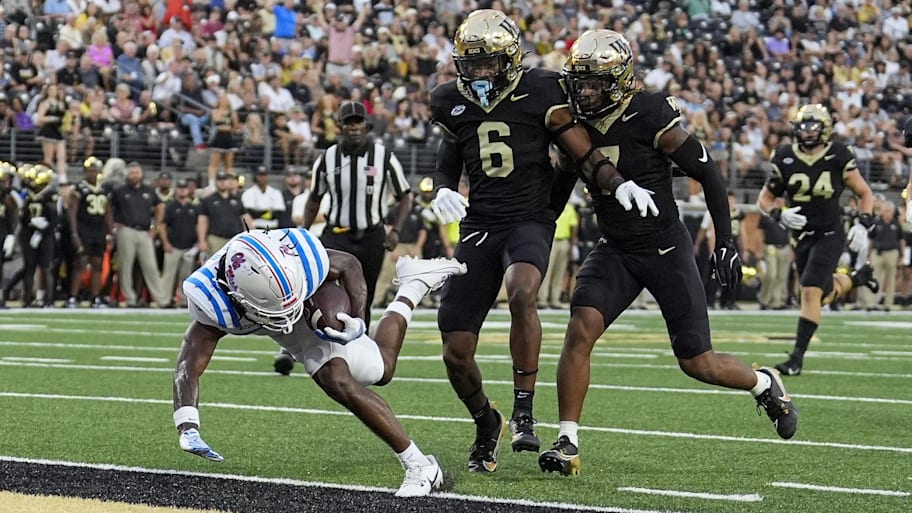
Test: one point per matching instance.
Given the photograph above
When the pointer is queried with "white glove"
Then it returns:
(9, 243)
(354, 328)
(449, 205)
(857, 238)
(40, 223)
(790, 218)
(909, 211)
(35, 241)
(629, 194)
(191, 442)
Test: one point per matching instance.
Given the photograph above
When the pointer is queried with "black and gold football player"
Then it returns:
(641, 131)
(811, 174)
(90, 225)
(36, 236)
(9, 217)
(498, 122)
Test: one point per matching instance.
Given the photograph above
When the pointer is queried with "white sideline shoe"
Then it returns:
(432, 272)
(421, 481)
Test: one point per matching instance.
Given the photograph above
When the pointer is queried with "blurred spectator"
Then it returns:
(123, 109)
(193, 110)
(341, 32)
(323, 122)
(254, 137)
(101, 56)
(129, 69)
(275, 97)
(23, 74)
(222, 146)
(302, 139)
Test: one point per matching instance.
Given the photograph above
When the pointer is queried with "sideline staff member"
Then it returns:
(358, 173)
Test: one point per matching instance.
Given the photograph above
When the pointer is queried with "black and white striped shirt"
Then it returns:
(358, 185)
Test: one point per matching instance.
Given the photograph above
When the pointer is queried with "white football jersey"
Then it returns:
(209, 304)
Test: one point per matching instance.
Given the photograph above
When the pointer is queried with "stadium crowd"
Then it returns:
(231, 85)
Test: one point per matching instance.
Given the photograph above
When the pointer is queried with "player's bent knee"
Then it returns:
(700, 367)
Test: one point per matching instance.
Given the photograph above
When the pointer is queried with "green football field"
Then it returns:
(95, 388)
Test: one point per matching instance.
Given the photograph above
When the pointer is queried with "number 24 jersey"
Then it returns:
(813, 182)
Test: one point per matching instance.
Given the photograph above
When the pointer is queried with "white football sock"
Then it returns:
(398, 307)
(763, 383)
(412, 456)
(569, 429)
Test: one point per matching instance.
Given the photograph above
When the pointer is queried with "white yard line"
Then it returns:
(137, 359)
(750, 497)
(30, 359)
(840, 489)
(599, 429)
(320, 484)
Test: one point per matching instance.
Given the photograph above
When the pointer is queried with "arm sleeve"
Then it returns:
(449, 165)
(694, 160)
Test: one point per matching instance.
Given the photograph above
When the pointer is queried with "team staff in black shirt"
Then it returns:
(136, 211)
(221, 216)
(178, 237)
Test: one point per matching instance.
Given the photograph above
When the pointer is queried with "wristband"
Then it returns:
(186, 415)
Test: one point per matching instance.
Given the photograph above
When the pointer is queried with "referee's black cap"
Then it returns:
(352, 110)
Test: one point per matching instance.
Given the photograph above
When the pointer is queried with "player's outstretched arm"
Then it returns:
(347, 269)
(195, 353)
(596, 168)
(693, 159)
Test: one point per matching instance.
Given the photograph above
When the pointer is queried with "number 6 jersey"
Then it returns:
(813, 182)
(505, 147)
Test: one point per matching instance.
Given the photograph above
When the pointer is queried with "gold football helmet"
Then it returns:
(599, 73)
(39, 176)
(93, 162)
(813, 126)
(7, 171)
(487, 53)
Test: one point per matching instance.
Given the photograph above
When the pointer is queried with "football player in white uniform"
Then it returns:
(258, 284)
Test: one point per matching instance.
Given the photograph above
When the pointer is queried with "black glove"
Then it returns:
(775, 214)
(866, 220)
(726, 263)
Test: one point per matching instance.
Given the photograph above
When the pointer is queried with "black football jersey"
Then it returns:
(813, 182)
(7, 206)
(504, 147)
(629, 137)
(93, 203)
(43, 204)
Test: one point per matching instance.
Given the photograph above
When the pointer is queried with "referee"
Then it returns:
(359, 173)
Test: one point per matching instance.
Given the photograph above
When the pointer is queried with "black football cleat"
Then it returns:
(778, 405)
(483, 454)
(790, 367)
(283, 363)
(562, 457)
(522, 429)
(864, 277)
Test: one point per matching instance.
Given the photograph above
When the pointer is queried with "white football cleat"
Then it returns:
(421, 481)
(432, 272)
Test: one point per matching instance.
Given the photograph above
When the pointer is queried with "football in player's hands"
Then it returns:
(320, 309)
